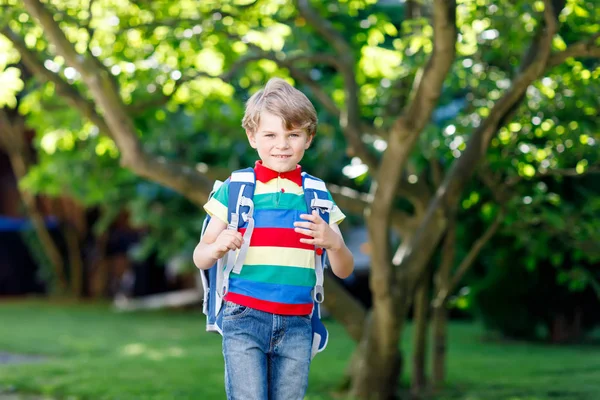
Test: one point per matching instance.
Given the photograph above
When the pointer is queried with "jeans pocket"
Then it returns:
(234, 311)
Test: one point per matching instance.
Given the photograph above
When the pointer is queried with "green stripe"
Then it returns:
(279, 275)
(222, 194)
(287, 201)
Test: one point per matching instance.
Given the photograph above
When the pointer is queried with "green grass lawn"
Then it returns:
(95, 353)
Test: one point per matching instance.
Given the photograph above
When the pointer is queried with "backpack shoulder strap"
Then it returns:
(241, 193)
(240, 209)
(316, 196)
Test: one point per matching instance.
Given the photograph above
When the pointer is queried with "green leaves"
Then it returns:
(10, 77)
(168, 59)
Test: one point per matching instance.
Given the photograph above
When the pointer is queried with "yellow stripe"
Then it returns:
(336, 216)
(215, 209)
(275, 185)
(282, 256)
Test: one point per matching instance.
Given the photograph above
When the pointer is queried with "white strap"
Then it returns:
(318, 292)
(236, 262)
(217, 292)
(242, 177)
(234, 220)
(322, 204)
(205, 290)
(239, 263)
(314, 184)
(246, 202)
(315, 345)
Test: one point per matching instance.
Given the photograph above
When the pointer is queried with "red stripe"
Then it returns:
(278, 237)
(269, 306)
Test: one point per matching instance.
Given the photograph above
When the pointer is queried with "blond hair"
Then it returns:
(280, 98)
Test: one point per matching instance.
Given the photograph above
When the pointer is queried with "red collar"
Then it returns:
(265, 174)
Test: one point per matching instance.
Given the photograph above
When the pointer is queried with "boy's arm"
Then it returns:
(340, 257)
(216, 242)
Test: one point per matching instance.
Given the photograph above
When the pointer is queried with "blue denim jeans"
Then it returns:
(267, 356)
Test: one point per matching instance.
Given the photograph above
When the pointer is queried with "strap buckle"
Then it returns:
(319, 294)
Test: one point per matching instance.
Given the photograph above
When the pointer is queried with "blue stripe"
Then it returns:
(286, 294)
(277, 218)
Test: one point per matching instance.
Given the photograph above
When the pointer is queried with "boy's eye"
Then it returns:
(270, 135)
(294, 135)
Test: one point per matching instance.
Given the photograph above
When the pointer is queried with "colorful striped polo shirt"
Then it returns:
(278, 274)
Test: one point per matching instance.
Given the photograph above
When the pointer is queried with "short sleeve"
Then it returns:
(216, 207)
(336, 216)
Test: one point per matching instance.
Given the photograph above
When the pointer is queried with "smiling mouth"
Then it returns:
(282, 156)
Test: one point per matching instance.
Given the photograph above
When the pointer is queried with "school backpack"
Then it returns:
(240, 208)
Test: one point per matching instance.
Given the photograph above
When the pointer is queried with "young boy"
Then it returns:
(267, 330)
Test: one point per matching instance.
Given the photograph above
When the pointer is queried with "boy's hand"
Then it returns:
(227, 240)
(321, 233)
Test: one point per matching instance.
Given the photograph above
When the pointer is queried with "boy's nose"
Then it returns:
(282, 143)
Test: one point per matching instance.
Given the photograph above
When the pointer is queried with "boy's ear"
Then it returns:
(309, 141)
(251, 139)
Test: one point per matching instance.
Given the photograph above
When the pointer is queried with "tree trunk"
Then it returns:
(73, 219)
(440, 340)
(378, 363)
(75, 261)
(98, 276)
(13, 141)
(440, 314)
(421, 308)
(33, 214)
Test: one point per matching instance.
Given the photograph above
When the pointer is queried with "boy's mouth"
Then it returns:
(281, 156)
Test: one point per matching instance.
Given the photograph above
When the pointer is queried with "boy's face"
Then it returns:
(279, 149)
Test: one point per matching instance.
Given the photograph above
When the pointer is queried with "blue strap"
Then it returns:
(316, 196)
(243, 179)
(240, 209)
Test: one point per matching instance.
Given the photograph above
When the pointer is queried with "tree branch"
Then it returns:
(323, 28)
(105, 92)
(403, 137)
(502, 194)
(162, 98)
(585, 48)
(344, 307)
(429, 85)
(355, 202)
(88, 22)
(470, 258)
(227, 76)
(571, 172)
(448, 194)
(33, 63)
(350, 120)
